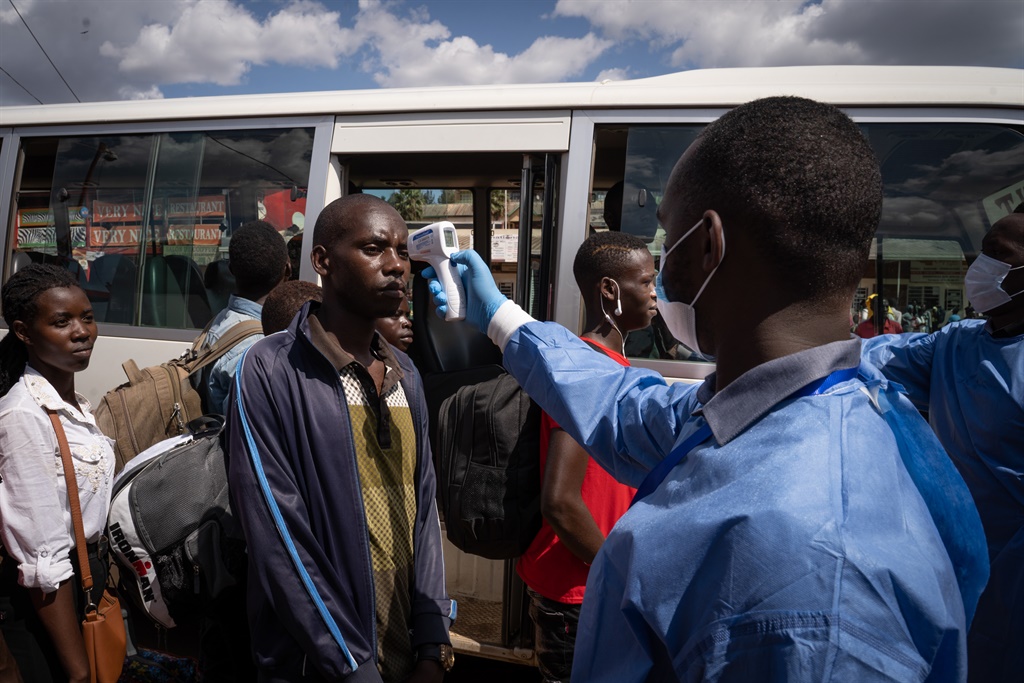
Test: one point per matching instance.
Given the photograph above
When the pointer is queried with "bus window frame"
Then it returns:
(9, 148)
(574, 218)
(577, 170)
(323, 130)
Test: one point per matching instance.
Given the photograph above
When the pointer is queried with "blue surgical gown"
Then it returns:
(800, 550)
(972, 385)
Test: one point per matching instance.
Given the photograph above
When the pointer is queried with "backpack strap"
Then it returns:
(200, 358)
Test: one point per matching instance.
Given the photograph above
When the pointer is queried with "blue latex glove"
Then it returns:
(482, 296)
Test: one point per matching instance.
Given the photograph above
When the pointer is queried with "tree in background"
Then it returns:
(409, 203)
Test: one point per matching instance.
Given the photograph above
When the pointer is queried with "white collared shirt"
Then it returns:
(35, 515)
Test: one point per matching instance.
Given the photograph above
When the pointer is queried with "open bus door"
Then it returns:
(502, 196)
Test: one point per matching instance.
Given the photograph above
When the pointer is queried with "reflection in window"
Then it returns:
(945, 185)
(145, 220)
(631, 171)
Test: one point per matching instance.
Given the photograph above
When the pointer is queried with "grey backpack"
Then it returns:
(170, 526)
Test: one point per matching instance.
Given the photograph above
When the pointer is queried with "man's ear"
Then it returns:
(714, 247)
(608, 289)
(321, 261)
(287, 271)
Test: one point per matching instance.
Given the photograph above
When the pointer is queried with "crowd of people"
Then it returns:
(793, 517)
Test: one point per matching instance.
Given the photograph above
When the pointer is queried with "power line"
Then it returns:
(20, 85)
(44, 51)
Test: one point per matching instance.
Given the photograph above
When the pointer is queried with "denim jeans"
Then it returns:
(555, 625)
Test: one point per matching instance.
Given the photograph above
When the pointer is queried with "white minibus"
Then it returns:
(139, 199)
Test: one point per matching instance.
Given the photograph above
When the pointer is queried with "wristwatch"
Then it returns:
(441, 653)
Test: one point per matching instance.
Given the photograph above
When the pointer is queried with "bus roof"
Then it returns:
(869, 86)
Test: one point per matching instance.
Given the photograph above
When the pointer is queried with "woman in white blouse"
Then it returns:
(50, 336)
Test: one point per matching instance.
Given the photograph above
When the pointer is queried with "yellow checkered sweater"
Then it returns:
(387, 477)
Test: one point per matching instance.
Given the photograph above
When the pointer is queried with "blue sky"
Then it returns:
(119, 49)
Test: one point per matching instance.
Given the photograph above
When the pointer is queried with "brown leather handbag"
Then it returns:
(103, 628)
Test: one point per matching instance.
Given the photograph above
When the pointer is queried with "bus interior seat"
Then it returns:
(448, 355)
(173, 294)
(446, 346)
(70, 264)
(19, 260)
(220, 284)
(114, 275)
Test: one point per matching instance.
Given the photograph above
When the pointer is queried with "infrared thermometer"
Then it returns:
(434, 244)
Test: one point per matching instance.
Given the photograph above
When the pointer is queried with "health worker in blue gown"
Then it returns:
(796, 518)
(969, 376)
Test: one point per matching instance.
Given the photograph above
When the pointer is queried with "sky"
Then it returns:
(143, 49)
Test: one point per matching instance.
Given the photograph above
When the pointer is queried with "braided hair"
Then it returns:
(20, 295)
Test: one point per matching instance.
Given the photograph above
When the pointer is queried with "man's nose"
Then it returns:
(394, 262)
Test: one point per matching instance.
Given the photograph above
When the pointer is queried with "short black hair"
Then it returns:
(284, 301)
(802, 178)
(258, 256)
(604, 254)
(335, 217)
(19, 298)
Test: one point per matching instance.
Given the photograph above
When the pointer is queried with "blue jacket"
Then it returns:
(221, 374)
(296, 490)
(972, 385)
(802, 542)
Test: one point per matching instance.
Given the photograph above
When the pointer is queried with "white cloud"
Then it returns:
(128, 92)
(697, 33)
(108, 49)
(9, 16)
(612, 75)
(219, 42)
(413, 51)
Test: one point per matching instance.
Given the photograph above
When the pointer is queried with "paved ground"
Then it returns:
(477, 670)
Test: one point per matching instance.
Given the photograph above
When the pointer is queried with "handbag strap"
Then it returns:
(76, 508)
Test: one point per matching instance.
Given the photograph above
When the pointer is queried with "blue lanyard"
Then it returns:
(657, 475)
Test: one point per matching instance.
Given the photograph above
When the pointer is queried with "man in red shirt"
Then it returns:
(579, 500)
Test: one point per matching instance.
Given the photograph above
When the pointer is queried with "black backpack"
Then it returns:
(488, 437)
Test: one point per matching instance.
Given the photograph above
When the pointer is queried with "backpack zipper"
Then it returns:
(131, 430)
(176, 412)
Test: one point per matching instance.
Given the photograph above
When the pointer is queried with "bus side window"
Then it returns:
(139, 218)
(946, 184)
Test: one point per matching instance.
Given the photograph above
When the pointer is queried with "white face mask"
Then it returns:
(680, 318)
(983, 283)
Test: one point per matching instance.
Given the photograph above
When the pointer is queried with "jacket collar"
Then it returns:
(308, 325)
(729, 412)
